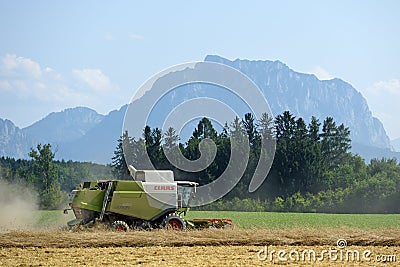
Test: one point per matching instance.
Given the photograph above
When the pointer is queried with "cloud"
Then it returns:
(24, 78)
(14, 66)
(321, 73)
(29, 91)
(383, 99)
(95, 79)
(391, 86)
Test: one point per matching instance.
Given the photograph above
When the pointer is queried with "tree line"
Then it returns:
(313, 169)
(51, 179)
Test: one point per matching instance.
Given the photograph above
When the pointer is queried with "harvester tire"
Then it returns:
(174, 221)
(120, 226)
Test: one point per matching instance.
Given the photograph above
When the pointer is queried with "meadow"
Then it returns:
(268, 220)
(264, 220)
(55, 219)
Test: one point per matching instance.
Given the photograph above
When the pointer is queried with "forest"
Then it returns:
(50, 179)
(312, 169)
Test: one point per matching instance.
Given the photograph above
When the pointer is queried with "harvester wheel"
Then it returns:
(120, 226)
(174, 221)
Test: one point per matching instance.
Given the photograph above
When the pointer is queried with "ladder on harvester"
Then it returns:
(105, 200)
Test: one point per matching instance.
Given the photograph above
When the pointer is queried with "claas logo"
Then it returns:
(164, 187)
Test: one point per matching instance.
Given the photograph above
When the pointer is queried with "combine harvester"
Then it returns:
(151, 200)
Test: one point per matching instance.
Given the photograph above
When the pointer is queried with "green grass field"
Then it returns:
(263, 220)
(53, 218)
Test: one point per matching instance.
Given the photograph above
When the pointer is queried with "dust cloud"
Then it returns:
(18, 206)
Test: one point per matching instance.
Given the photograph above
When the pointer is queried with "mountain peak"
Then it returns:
(268, 64)
(7, 127)
(12, 140)
(305, 95)
(7, 122)
(74, 111)
(66, 125)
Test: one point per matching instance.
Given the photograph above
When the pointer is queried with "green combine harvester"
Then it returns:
(152, 199)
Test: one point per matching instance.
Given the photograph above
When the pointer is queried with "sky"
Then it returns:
(61, 54)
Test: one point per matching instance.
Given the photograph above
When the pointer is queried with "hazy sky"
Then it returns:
(60, 54)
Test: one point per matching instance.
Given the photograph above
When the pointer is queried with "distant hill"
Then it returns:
(396, 144)
(99, 143)
(83, 134)
(65, 126)
(370, 152)
(58, 128)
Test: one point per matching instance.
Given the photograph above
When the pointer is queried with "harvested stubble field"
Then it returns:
(236, 247)
(298, 232)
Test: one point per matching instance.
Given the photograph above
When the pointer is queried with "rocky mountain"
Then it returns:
(13, 141)
(82, 134)
(305, 96)
(58, 128)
